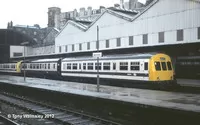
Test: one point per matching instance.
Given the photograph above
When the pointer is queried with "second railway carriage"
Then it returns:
(154, 68)
(42, 68)
(14, 67)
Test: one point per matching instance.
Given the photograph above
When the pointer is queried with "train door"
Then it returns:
(59, 66)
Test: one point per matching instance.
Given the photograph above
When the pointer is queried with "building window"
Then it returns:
(80, 46)
(179, 35)
(161, 37)
(66, 48)
(198, 32)
(88, 46)
(60, 49)
(107, 43)
(130, 40)
(73, 47)
(145, 39)
(118, 42)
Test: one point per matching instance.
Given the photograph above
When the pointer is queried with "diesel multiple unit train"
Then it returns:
(148, 68)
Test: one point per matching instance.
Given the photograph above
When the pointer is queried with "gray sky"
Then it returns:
(30, 12)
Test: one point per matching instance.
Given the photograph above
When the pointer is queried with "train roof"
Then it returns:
(117, 56)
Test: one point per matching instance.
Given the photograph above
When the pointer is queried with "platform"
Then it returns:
(172, 100)
(189, 82)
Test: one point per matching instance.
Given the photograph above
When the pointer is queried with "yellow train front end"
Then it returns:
(161, 69)
(18, 66)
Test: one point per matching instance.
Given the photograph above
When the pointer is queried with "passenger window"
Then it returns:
(45, 66)
(169, 66)
(96, 66)
(106, 66)
(74, 66)
(135, 65)
(146, 66)
(123, 65)
(164, 66)
(157, 66)
(90, 66)
(68, 65)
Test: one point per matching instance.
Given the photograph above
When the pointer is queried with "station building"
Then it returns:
(165, 25)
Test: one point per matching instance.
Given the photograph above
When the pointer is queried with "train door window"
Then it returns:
(198, 32)
(114, 66)
(123, 65)
(146, 66)
(157, 66)
(169, 65)
(84, 66)
(164, 66)
(90, 66)
(74, 66)
(40, 66)
(69, 65)
(54, 66)
(135, 66)
(97, 66)
(106, 66)
(49, 66)
(79, 65)
(45, 66)
(30, 66)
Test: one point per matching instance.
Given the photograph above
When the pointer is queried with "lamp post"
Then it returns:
(98, 85)
(23, 44)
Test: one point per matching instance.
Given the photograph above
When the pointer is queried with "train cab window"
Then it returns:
(106, 66)
(169, 65)
(157, 66)
(164, 66)
(97, 66)
(123, 65)
(135, 66)
(114, 66)
(90, 66)
(74, 66)
(68, 65)
(84, 66)
(146, 66)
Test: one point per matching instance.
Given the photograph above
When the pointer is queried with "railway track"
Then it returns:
(5, 121)
(45, 111)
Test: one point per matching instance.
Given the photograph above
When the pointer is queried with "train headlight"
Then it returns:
(158, 78)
